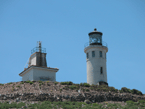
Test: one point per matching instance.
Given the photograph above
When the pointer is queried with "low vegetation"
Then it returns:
(73, 87)
(29, 82)
(22, 82)
(1, 84)
(105, 88)
(85, 87)
(55, 83)
(18, 86)
(66, 83)
(133, 91)
(85, 84)
(10, 83)
(74, 105)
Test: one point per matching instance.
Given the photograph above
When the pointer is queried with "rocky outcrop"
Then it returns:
(38, 91)
(81, 97)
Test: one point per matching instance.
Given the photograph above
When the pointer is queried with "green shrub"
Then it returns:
(60, 90)
(27, 81)
(112, 106)
(113, 89)
(30, 82)
(81, 84)
(67, 83)
(126, 90)
(87, 90)
(40, 81)
(120, 91)
(134, 91)
(142, 101)
(105, 89)
(139, 93)
(94, 104)
(22, 82)
(55, 83)
(98, 89)
(102, 86)
(18, 86)
(10, 83)
(47, 81)
(2, 84)
(72, 87)
(92, 88)
(19, 105)
(130, 102)
(85, 84)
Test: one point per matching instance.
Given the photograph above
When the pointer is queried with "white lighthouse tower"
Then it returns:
(96, 59)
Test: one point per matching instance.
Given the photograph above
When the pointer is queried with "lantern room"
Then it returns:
(95, 37)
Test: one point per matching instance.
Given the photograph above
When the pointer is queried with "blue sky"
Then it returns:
(63, 27)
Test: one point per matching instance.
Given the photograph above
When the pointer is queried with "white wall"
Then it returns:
(37, 73)
(33, 61)
(34, 74)
(28, 75)
(94, 64)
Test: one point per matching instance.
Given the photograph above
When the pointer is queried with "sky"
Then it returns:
(63, 27)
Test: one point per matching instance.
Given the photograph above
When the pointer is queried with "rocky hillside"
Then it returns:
(65, 91)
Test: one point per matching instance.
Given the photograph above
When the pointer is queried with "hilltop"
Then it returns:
(65, 91)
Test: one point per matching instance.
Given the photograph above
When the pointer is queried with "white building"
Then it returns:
(96, 59)
(37, 68)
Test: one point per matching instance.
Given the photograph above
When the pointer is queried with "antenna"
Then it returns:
(39, 46)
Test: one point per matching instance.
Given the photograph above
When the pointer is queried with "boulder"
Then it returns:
(88, 101)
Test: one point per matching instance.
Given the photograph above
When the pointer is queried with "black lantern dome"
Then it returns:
(95, 37)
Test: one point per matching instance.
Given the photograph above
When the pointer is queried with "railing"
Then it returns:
(37, 49)
(103, 44)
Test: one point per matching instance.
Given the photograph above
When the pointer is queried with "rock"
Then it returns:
(17, 99)
(87, 101)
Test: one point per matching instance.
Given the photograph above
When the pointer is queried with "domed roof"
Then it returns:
(95, 32)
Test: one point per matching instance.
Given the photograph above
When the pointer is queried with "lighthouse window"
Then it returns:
(93, 53)
(100, 53)
(101, 70)
(87, 55)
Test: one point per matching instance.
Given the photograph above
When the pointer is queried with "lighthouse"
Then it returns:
(37, 67)
(96, 51)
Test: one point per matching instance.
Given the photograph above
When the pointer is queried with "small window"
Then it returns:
(100, 53)
(93, 53)
(87, 55)
(101, 70)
